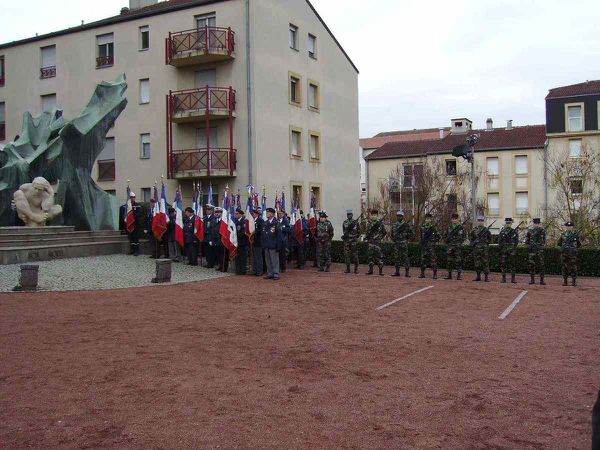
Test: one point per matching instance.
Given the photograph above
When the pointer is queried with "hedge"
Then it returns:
(589, 258)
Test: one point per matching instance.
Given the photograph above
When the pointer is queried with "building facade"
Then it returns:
(221, 92)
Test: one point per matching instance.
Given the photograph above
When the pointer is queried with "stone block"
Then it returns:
(163, 271)
(29, 278)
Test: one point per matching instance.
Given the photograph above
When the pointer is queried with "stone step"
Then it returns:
(72, 235)
(57, 239)
(20, 255)
(36, 231)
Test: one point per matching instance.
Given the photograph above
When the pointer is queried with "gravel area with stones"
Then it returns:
(102, 272)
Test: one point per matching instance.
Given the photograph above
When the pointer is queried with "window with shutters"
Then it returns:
(293, 37)
(493, 167)
(145, 151)
(521, 165)
(296, 143)
(105, 53)
(144, 38)
(144, 91)
(312, 46)
(48, 102)
(315, 146)
(295, 89)
(522, 203)
(574, 117)
(106, 161)
(48, 63)
(313, 96)
(493, 204)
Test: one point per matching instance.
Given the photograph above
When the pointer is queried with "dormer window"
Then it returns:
(575, 118)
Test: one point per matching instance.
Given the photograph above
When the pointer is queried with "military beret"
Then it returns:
(480, 218)
(400, 213)
(455, 216)
(569, 224)
(537, 220)
(509, 220)
(271, 210)
(239, 210)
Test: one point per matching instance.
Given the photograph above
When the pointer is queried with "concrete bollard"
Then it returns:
(29, 278)
(163, 271)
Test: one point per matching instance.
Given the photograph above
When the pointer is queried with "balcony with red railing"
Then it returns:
(104, 61)
(48, 72)
(195, 105)
(200, 46)
(203, 163)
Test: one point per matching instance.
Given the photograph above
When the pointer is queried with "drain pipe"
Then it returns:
(249, 93)
(546, 179)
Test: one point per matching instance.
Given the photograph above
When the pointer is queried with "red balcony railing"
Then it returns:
(207, 40)
(48, 72)
(106, 170)
(204, 162)
(104, 61)
(207, 100)
(2, 131)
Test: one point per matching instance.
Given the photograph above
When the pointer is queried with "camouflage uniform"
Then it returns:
(481, 237)
(454, 240)
(569, 244)
(508, 239)
(536, 240)
(375, 235)
(323, 238)
(350, 237)
(429, 237)
(401, 235)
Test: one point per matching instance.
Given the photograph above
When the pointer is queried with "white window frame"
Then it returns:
(293, 36)
(207, 18)
(487, 166)
(520, 210)
(296, 148)
(45, 98)
(576, 154)
(317, 153)
(493, 211)
(106, 154)
(145, 152)
(520, 158)
(48, 56)
(581, 118)
(142, 30)
(312, 42)
(144, 93)
(317, 96)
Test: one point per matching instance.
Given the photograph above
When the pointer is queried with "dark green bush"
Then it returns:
(589, 258)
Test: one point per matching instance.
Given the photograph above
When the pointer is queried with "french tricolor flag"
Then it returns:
(179, 218)
(199, 213)
(160, 219)
(129, 217)
(227, 227)
(250, 223)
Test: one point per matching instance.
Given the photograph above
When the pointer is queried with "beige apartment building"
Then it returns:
(221, 92)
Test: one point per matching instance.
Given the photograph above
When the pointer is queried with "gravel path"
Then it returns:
(101, 272)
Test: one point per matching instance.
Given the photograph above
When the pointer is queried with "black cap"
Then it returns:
(455, 216)
(239, 210)
(374, 211)
(428, 216)
(301, 212)
(188, 209)
(509, 220)
(537, 220)
(171, 210)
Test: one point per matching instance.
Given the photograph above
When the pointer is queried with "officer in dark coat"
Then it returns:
(207, 250)
(241, 257)
(190, 238)
(301, 245)
(284, 236)
(270, 243)
(220, 252)
(134, 236)
(257, 250)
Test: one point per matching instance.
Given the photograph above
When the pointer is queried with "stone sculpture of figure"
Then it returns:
(34, 203)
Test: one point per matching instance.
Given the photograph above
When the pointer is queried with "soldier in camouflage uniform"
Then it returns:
(536, 241)
(401, 235)
(374, 236)
(454, 240)
(429, 237)
(323, 238)
(481, 237)
(350, 237)
(569, 244)
(508, 239)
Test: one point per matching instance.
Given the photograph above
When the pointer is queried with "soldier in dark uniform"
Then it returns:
(299, 246)
(536, 241)
(284, 235)
(569, 244)
(323, 238)
(429, 237)
(508, 240)
(241, 256)
(270, 241)
(257, 250)
(207, 250)
(190, 238)
(481, 238)
(351, 230)
(454, 240)
(134, 236)
(221, 253)
(375, 234)
(401, 235)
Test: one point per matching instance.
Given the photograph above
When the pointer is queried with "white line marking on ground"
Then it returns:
(515, 302)
(379, 308)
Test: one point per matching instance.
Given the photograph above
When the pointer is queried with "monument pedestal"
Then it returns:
(19, 245)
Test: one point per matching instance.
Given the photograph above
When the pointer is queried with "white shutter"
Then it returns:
(144, 91)
(493, 204)
(312, 95)
(493, 166)
(108, 152)
(295, 143)
(314, 146)
(575, 148)
(201, 138)
(521, 165)
(104, 39)
(522, 201)
(48, 56)
(48, 102)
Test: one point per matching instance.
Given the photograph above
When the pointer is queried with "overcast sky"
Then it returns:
(422, 62)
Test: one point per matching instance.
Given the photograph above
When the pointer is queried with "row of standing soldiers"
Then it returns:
(480, 239)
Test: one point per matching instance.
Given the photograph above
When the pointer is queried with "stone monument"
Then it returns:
(34, 203)
(56, 149)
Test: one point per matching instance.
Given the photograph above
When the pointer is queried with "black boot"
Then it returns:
(380, 271)
(396, 273)
(435, 274)
(355, 268)
(347, 268)
(565, 281)
(513, 278)
(478, 278)
(407, 273)
(542, 282)
(422, 273)
(449, 276)
(503, 278)
(459, 275)
(370, 272)
(532, 281)
(487, 279)
(327, 268)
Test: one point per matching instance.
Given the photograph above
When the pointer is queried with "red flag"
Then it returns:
(129, 217)
(159, 221)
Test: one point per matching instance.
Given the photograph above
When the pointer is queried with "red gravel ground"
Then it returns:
(303, 363)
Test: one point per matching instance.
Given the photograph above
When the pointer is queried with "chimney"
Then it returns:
(442, 132)
(124, 11)
(490, 124)
(509, 125)
(137, 4)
